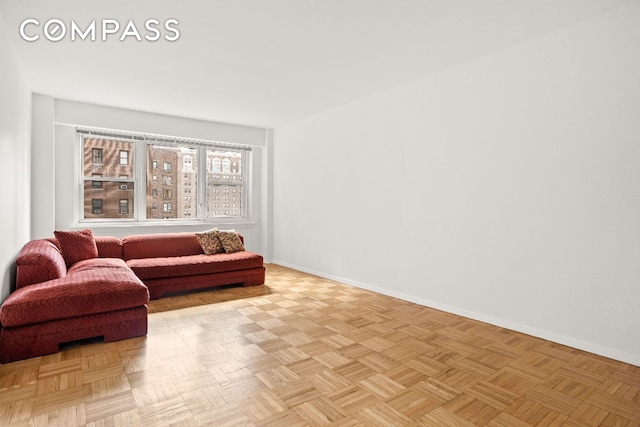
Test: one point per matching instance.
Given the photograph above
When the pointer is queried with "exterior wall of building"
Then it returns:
(187, 188)
(162, 194)
(172, 181)
(108, 159)
(223, 169)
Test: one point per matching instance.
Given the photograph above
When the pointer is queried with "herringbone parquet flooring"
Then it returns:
(302, 350)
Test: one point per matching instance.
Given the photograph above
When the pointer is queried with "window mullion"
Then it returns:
(202, 183)
(140, 181)
(245, 178)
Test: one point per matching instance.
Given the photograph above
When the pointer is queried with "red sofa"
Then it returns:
(59, 300)
(176, 262)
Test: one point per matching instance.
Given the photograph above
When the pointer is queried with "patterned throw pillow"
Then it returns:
(210, 242)
(76, 245)
(230, 241)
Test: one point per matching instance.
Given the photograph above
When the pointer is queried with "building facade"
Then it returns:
(171, 181)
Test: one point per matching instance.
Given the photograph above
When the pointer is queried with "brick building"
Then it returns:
(108, 198)
(171, 181)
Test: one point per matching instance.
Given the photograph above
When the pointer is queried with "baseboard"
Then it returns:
(590, 347)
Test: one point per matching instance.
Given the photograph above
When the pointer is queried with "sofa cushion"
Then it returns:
(76, 245)
(39, 261)
(230, 241)
(86, 289)
(151, 268)
(98, 263)
(210, 242)
(160, 245)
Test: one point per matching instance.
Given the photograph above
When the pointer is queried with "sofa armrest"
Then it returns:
(39, 261)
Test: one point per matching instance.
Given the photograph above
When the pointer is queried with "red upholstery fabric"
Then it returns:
(89, 290)
(44, 338)
(160, 245)
(76, 245)
(151, 268)
(39, 261)
(109, 247)
(170, 285)
(90, 265)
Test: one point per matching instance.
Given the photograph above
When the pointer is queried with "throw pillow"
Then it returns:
(76, 245)
(230, 241)
(210, 242)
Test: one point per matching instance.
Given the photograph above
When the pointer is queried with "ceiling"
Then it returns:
(269, 62)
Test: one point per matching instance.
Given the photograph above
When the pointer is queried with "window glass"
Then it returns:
(105, 175)
(175, 180)
(223, 180)
(179, 177)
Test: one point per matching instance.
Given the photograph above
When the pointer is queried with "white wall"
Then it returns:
(43, 164)
(66, 115)
(15, 104)
(506, 189)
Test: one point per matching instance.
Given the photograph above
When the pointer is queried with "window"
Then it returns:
(187, 164)
(96, 185)
(125, 168)
(103, 171)
(226, 177)
(124, 157)
(226, 165)
(96, 155)
(96, 206)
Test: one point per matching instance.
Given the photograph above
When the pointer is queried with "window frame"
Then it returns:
(202, 212)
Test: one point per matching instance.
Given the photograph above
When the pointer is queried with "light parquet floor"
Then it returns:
(302, 350)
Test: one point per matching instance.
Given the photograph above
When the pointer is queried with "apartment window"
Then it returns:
(187, 164)
(125, 167)
(124, 157)
(96, 155)
(96, 206)
(96, 185)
